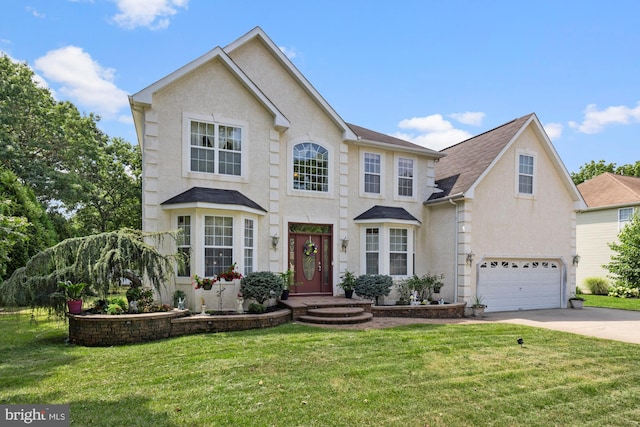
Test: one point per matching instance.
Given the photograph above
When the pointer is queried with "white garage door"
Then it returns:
(512, 284)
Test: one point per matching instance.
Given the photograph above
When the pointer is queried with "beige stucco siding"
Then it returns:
(506, 224)
(439, 256)
(596, 229)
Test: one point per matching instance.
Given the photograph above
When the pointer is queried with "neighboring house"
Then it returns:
(510, 206)
(243, 155)
(611, 202)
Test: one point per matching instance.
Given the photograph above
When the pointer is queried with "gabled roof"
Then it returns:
(145, 96)
(213, 196)
(468, 162)
(373, 138)
(382, 213)
(258, 33)
(609, 189)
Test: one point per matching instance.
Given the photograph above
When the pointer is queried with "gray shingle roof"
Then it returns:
(373, 136)
(386, 212)
(213, 195)
(467, 160)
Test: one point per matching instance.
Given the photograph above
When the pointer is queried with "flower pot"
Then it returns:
(285, 295)
(478, 311)
(207, 286)
(348, 293)
(75, 306)
(576, 303)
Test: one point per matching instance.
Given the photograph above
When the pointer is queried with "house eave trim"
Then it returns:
(213, 206)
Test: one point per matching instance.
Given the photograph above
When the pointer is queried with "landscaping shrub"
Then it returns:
(261, 285)
(622, 290)
(372, 286)
(597, 285)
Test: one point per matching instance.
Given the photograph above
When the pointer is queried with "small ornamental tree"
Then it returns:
(261, 285)
(625, 263)
(372, 286)
(99, 260)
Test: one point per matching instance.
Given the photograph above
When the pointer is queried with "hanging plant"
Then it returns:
(310, 248)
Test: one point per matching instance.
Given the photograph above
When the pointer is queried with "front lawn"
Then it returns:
(295, 375)
(611, 302)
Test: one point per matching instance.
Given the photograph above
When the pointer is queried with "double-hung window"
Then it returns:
(249, 246)
(405, 177)
(624, 217)
(372, 173)
(398, 251)
(372, 250)
(184, 245)
(215, 148)
(525, 174)
(218, 244)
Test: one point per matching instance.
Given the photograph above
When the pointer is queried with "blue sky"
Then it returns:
(433, 72)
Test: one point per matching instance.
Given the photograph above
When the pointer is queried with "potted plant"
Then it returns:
(231, 274)
(73, 294)
(478, 307)
(287, 282)
(576, 302)
(205, 283)
(348, 283)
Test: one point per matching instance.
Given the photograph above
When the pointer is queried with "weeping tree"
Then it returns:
(100, 260)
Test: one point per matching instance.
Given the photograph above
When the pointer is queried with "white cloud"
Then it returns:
(553, 130)
(433, 132)
(596, 120)
(153, 14)
(469, 118)
(34, 12)
(289, 52)
(83, 80)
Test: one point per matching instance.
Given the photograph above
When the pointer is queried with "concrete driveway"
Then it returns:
(620, 325)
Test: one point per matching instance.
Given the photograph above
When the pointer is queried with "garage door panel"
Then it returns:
(509, 284)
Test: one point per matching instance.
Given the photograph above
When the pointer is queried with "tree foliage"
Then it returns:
(99, 260)
(593, 169)
(38, 232)
(49, 145)
(625, 263)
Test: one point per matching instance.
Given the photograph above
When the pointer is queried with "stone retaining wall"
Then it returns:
(440, 311)
(96, 330)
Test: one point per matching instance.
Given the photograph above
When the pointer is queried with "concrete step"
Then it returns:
(332, 320)
(335, 311)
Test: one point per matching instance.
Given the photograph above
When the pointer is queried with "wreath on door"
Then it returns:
(309, 248)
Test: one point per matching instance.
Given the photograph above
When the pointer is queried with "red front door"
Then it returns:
(310, 255)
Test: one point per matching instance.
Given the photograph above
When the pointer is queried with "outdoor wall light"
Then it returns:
(345, 244)
(576, 259)
(274, 242)
(470, 256)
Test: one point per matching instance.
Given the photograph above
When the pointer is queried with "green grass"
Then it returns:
(611, 302)
(295, 375)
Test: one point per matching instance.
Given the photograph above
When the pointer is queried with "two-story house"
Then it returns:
(243, 155)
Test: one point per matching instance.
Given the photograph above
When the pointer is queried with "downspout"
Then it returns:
(455, 253)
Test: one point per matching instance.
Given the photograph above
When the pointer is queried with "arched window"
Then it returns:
(310, 167)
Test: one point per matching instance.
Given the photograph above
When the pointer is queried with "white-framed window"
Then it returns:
(184, 245)
(212, 147)
(526, 169)
(405, 172)
(389, 249)
(624, 217)
(372, 173)
(372, 251)
(310, 167)
(218, 244)
(398, 251)
(249, 246)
